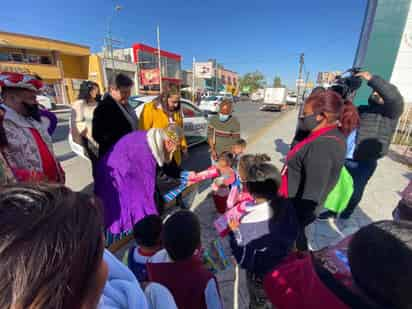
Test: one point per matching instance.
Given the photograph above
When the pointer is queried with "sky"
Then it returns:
(244, 36)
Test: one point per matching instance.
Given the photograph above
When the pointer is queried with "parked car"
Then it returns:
(291, 99)
(211, 104)
(46, 101)
(244, 96)
(194, 120)
(258, 96)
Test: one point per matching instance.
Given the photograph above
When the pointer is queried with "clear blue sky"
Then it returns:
(265, 35)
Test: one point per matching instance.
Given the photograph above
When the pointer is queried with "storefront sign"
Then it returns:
(204, 69)
(150, 77)
(7, 68)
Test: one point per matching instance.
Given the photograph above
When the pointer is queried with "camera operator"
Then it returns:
(371, 141)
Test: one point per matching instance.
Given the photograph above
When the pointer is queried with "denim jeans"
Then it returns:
(361, 172)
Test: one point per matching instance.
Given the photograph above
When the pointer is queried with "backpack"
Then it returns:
(338, 199)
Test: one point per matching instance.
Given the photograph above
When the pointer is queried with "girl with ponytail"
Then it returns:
(313, 165)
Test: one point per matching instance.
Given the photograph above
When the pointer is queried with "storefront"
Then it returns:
(57, 63)
(147, 61)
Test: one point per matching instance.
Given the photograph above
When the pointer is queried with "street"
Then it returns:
(78, 171)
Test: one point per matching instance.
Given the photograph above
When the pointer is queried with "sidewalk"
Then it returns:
(380, 198)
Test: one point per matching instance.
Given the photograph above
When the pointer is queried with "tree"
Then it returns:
(277, 82)
(253, 81)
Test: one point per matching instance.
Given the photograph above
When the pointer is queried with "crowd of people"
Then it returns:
(53, 240)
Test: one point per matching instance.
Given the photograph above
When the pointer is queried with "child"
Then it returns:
(221, 185)
(266, 233)
(239, 198)
(147, 233)
(238, 148)
(178, 266)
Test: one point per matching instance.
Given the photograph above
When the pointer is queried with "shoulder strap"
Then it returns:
(310, 139)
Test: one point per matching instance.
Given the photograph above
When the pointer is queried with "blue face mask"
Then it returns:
(223, 117)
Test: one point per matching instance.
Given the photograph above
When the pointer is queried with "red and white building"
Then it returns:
(147, 61)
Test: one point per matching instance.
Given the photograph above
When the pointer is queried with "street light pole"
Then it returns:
(109, 40)
(160, 58)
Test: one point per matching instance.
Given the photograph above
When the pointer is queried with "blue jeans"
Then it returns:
(361, 172)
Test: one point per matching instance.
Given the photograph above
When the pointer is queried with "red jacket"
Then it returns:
(295, 285)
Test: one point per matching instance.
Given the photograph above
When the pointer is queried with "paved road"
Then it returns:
(78, 175)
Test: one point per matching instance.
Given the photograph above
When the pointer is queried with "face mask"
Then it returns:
(223, 117)
(308, 123)
(32, 110)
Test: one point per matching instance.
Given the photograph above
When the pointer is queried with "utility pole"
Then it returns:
(216, 76)
(306, 84)
(109, 39)
(160, 58)
(193, 79)
(301, 63)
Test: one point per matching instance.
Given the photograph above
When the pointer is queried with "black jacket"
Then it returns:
(314, 171)
(109, 124)
(378, 121)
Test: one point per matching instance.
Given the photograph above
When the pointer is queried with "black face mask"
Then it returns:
(32, 110)
(308, 123)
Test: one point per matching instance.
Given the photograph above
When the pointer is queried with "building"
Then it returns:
(147, 60)
(103, 66)
(61, 65)
(327, 78)
(385, 45)
(229, 79)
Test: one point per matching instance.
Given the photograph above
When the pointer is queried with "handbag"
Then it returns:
(338, 199)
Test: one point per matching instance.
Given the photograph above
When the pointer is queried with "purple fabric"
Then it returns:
(125, 181)
(52, 118)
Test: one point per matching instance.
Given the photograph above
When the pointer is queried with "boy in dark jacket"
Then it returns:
(266, 234)
(378, 122)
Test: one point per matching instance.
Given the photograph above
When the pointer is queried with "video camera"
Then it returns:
(347, 83)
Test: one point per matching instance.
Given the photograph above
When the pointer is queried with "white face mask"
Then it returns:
(223, 117)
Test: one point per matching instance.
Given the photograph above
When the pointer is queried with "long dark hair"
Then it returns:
(51, 246)
(85, 88)
(345, 113)
(263, 181)
(3, 137)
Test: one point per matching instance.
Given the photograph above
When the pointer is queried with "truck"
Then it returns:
(274, 99)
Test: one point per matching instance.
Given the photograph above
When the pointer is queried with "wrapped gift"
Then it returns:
(215, 258)
(210, 173)
(222, 223)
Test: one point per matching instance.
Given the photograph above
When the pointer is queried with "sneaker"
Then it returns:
(325, 216)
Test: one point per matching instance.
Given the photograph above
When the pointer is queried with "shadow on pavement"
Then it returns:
(199, 158)
(324, 233)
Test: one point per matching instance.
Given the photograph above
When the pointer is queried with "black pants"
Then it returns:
(302, 240)
(361, 172)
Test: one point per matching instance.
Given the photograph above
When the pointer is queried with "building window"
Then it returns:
(223, 79)
(33, 59)
(17, 57)
(229, 80)
(45, 60)
(4, 57)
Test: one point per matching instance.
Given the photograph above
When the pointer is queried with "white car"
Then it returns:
(46, 101)
(291, 99)
(211, 104)
(194, 120)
